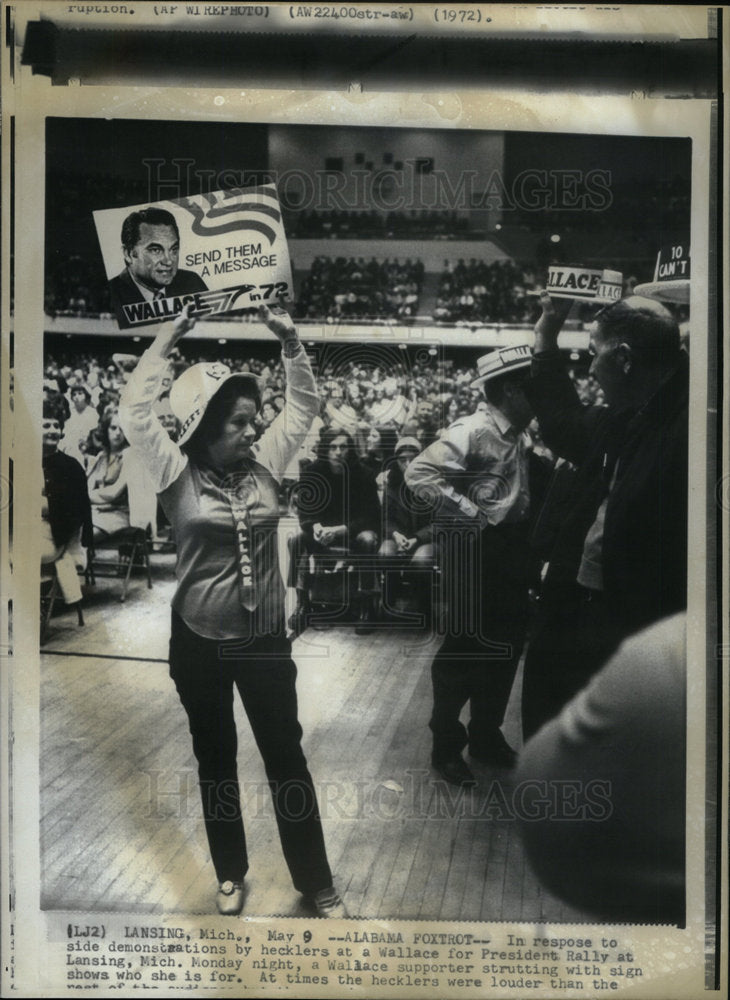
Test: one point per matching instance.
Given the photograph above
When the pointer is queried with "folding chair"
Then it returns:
(132, 546)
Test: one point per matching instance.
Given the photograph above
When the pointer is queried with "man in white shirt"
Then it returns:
(80, 424)
(476, 477)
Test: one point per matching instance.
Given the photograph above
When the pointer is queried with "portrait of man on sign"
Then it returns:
(151, 249)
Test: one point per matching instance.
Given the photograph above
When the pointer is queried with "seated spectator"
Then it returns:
(167, 418)
(80, 424)
(65, 511)
(452, 412)
(343, 412)
(379, 445)
(107, 481)
(268, 414)
(107, 398)
(54, 397)
(407, 523)
(339, 514)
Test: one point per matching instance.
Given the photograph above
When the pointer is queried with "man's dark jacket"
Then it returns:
(645, 530)
(68, 498)
(124, 292)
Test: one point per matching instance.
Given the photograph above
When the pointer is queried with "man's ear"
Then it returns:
(127, 255)
(624, 357)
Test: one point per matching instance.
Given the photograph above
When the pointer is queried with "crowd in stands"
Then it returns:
(354, 288)
(481, 292)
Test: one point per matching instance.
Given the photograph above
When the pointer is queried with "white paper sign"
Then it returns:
(220, 252)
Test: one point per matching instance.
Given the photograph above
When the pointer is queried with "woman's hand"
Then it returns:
(183, 323)
(280, 323)
(170, 333)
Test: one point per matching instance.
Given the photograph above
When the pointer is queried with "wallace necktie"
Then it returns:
(242, 495)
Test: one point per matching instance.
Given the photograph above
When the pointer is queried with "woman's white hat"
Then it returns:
(501, 362)
(194, 389)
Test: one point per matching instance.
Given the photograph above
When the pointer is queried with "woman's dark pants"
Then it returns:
(205, 672)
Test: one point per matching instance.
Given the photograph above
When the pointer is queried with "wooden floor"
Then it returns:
(120, 815)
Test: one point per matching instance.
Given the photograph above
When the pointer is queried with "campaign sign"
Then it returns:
(220, 252)
(671, 275)
(567, 282)
(672, 263)
(610, 287)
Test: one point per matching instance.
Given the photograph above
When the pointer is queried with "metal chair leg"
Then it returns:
(129, 572)
(146, 551)
(51, 599)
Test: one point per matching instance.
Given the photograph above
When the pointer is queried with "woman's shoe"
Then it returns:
(327, 903)
(229, 898)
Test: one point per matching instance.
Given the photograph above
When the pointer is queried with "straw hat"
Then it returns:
(502, 362)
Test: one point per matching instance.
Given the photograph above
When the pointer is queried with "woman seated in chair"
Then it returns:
(408, 525)
(339, 514)
(379, 444)
(107, 480)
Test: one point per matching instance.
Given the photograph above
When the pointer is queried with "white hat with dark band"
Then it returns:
(407, 444)
(194, 389)
(502, 362)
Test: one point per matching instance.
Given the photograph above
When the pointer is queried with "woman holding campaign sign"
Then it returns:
(219, 488)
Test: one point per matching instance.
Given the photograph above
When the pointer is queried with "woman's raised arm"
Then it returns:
(160, 455)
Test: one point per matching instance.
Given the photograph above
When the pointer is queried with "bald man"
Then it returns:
(619, 561)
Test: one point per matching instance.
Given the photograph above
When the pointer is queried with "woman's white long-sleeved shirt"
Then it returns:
(196, 500)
